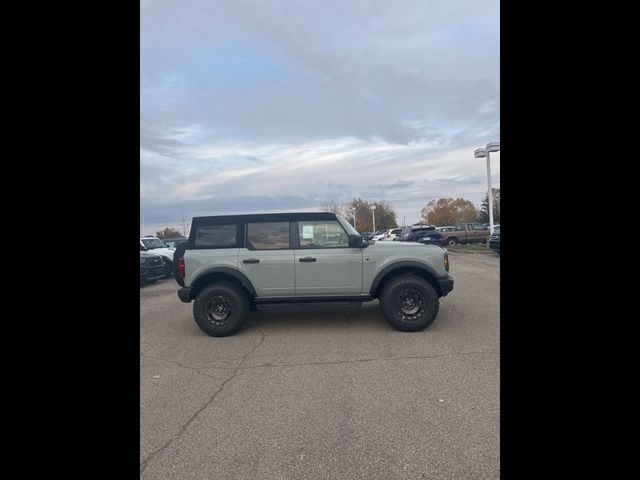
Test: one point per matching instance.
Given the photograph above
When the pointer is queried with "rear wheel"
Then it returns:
(221, 309)
(409, 303)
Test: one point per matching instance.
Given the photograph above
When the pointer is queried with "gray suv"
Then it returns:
(238, 263)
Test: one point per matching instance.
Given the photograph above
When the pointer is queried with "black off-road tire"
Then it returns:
(420, 296)
(221, 309)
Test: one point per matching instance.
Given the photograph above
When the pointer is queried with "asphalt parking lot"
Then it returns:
(326, 394)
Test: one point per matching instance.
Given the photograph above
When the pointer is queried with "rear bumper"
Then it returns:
(184, 294)
(445, 284)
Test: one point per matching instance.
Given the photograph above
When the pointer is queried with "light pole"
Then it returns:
(373, 214)
(354, 218)
(486, 152)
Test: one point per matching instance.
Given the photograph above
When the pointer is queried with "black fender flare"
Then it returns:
(229, 271)
(397, 265)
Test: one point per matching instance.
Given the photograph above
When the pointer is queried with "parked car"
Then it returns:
(379, 235)
(393, 233)
(156, 246)
(152, 267)
(236, 263)
(389, 234)
(466, 233)
(494, 240)
(428, 237)
(174, 242)
(412, 233)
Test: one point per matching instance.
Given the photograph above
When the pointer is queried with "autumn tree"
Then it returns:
(169, 233)
(483, 216)
(384, 213)
(449, 211)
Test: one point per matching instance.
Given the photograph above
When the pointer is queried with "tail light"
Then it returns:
(181, 267)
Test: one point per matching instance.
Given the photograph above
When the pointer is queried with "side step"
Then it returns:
(306, 305)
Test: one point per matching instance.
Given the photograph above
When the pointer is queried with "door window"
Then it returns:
(322, 234)
(268, 236)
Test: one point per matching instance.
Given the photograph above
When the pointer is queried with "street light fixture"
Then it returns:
(373, 214)
(486, 152)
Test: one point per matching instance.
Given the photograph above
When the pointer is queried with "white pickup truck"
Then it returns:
(156, 246)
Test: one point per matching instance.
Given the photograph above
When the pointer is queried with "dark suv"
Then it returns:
(422, 234)
(494, 240)
(152, 268)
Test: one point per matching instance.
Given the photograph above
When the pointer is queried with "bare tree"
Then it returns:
(332, 207)
(185, 226)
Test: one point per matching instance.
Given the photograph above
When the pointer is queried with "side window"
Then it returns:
(216, 236)
(268, 236)
(322, 234)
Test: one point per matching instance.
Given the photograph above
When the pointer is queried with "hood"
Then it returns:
(165, 252)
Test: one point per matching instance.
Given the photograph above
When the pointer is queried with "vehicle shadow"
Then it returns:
(368, 317)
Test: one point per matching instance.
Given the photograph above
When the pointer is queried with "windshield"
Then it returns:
(347, 226)
(152, 243)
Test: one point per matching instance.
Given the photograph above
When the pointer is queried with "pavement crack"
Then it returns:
(364, 360)
(155, 453)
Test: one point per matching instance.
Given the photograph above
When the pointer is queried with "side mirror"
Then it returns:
(143, 248)
(356, 241)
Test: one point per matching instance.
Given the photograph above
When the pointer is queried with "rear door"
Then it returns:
(325, 265)
(267, 258)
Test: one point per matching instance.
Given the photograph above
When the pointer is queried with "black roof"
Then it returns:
(263, 217)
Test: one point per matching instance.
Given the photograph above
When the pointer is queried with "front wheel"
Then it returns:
(221, 309)
(452, 242)
(409, 303)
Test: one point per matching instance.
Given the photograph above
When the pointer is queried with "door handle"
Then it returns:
(251, 260)
(307, 259)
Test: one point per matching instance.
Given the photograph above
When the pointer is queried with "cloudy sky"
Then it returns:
(276, 105)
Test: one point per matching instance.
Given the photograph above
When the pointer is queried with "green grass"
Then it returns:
(469, 247)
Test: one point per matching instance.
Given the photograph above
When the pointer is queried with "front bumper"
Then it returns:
(184, 294)
(151, 274)
(445, 284)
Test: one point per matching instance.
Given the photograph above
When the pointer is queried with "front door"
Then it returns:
(267, 259)
(325, 265)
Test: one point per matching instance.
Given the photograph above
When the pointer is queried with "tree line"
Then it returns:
(440, 212)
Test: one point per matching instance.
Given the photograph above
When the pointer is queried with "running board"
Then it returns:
(298, 303)
(306, 305)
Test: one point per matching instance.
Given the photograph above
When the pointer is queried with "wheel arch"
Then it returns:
(221, 274)
(400, 268)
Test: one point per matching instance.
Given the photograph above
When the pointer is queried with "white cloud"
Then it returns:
(301, 101)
